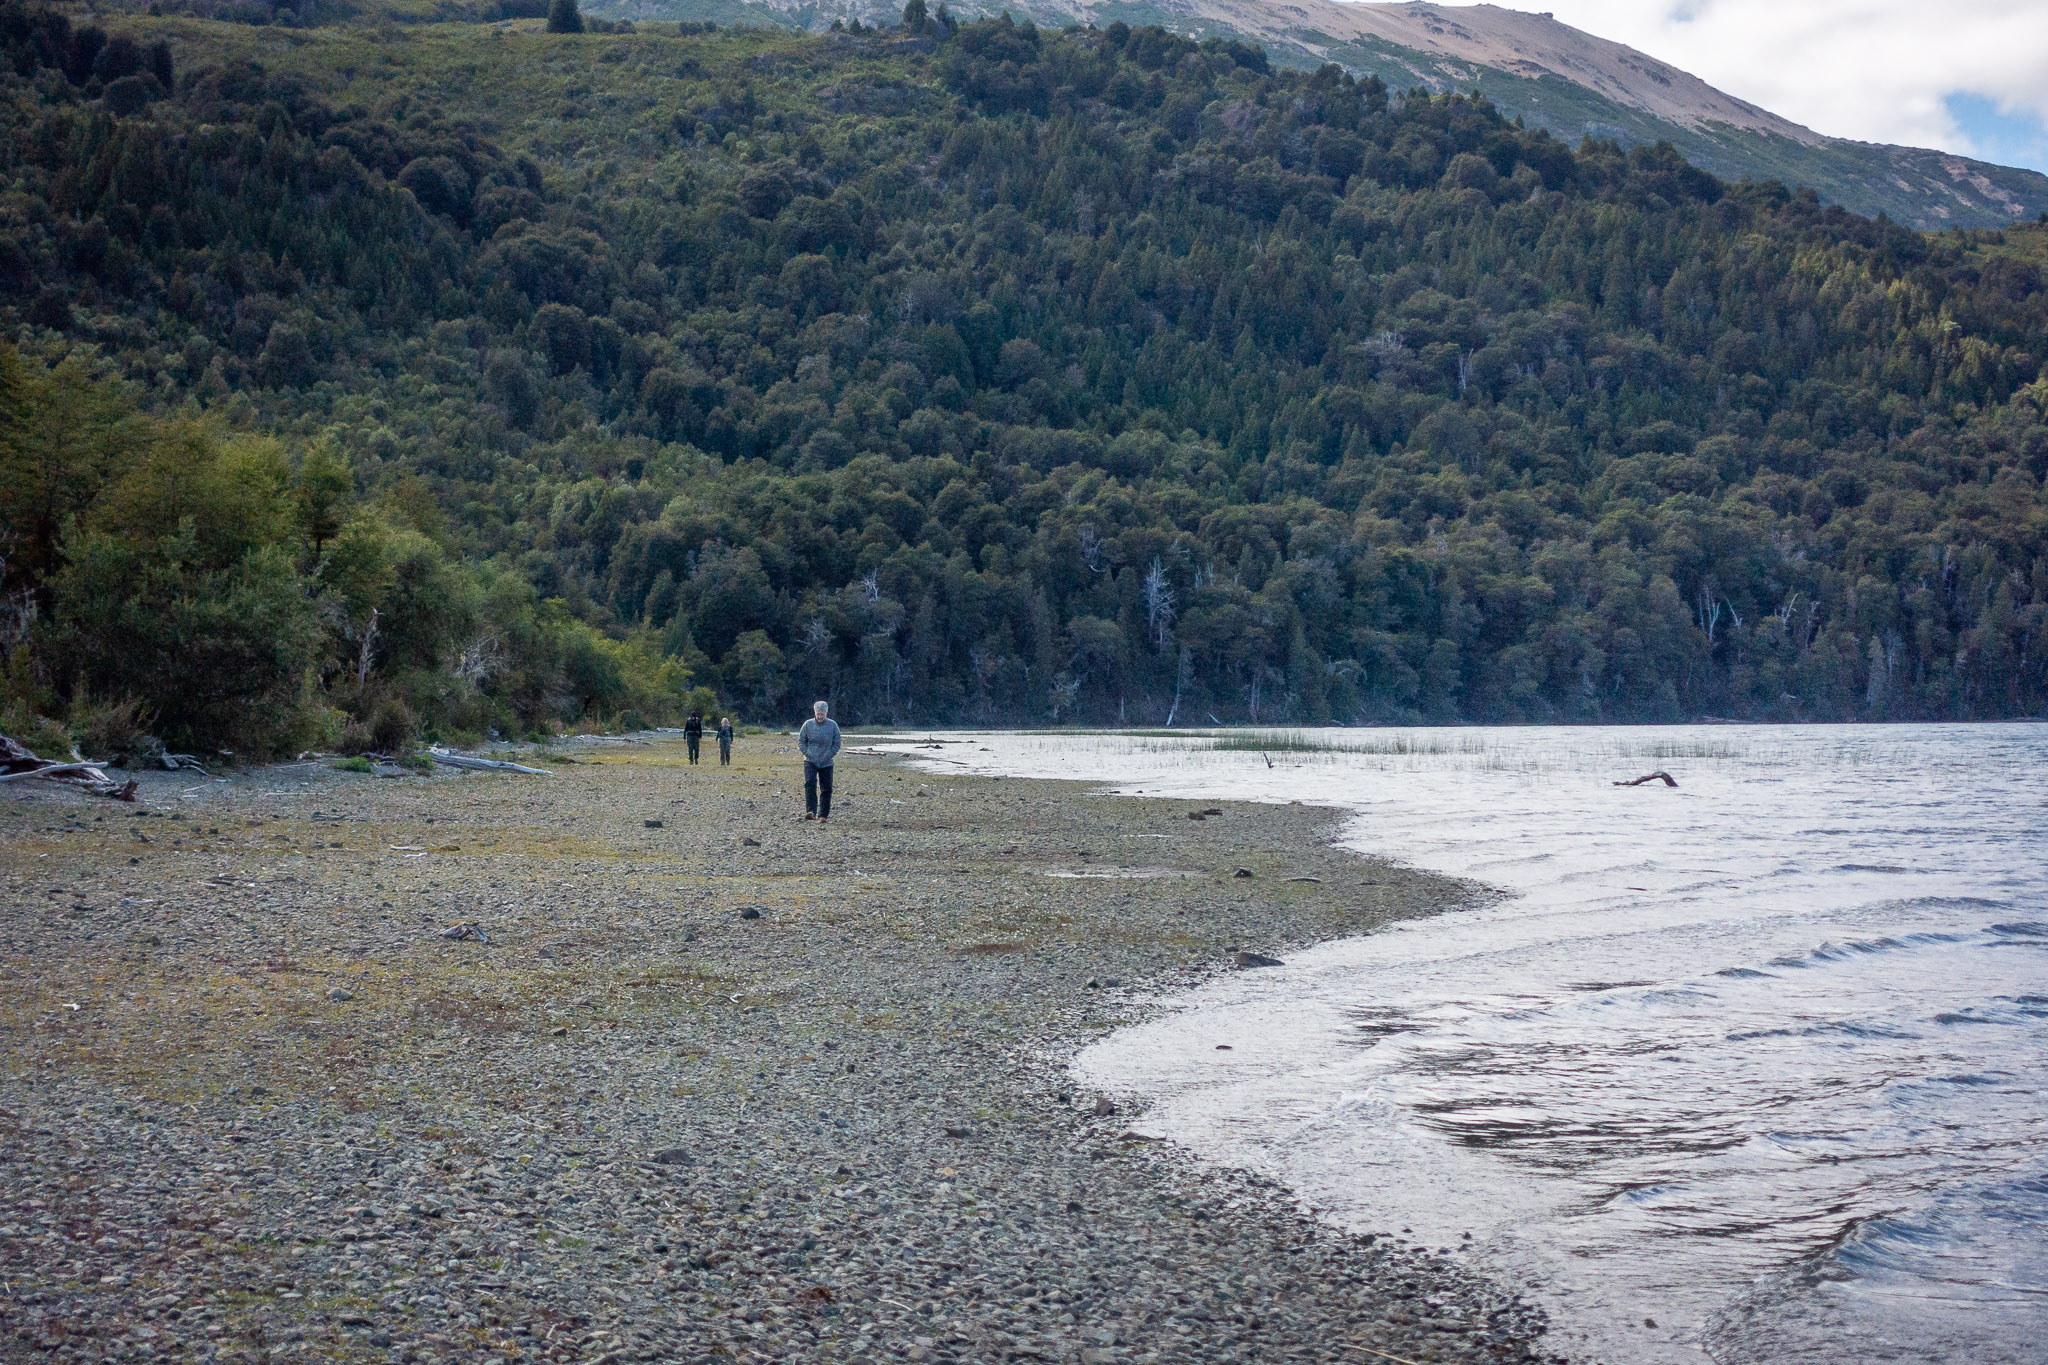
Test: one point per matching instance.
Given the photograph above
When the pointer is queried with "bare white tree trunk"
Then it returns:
(369, 643)
(1180, 678)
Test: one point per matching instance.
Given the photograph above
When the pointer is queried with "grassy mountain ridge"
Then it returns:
(981, 373)
(1530, 66)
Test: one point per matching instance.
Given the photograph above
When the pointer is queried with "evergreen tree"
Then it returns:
(564, 17)
(1287, 402)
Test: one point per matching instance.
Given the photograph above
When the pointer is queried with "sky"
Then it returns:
(1968, 76)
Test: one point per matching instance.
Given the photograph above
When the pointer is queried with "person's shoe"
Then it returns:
(808, 817)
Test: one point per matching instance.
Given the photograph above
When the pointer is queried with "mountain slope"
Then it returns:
(1549, 74)
(983, 374)
(1573, 83)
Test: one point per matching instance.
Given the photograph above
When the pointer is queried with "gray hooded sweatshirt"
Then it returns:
(819, 741)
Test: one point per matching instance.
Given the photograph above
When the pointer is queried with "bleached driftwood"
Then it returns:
(489, 765)
(18, 762)
(51, 770)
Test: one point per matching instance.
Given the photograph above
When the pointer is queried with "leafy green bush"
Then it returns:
(24, 700)
(354, 764)
(392, 726)
(108, 729)
(355, 739)
(238, 602)
(178, 586)
(41, 735)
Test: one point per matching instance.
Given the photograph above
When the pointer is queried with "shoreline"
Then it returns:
(732, 1087)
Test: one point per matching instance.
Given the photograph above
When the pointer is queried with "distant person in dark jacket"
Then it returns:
(725, 741)
(819, 743)
(693, 731)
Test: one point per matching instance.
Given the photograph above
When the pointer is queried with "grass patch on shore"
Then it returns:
(186, 1037)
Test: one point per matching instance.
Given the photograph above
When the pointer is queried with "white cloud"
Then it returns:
(1875, 70)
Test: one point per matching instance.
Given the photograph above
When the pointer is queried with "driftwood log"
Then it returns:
(51, 770)
(17, 763)
(1659, 776)
(488, 765)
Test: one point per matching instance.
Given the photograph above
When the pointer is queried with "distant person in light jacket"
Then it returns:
(819, 743)
(725, 741)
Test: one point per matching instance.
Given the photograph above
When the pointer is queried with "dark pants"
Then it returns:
(725, 751)
(818, 790)
(694, 741)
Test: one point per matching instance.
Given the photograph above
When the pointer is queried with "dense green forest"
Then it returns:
(376, 379)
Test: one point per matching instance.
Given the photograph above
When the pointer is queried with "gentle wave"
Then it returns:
(1759, 1059)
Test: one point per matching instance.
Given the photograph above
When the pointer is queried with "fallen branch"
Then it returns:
(18, 762)
(1659, 776)
(49, 769)
(489, 765)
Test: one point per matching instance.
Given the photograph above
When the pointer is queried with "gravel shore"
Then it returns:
(631, 1063)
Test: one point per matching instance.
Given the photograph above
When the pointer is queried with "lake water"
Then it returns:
(1761, 1060)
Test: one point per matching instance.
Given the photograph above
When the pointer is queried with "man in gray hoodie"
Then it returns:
(819, 743)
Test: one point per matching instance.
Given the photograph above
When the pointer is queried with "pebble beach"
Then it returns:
(630, 1062)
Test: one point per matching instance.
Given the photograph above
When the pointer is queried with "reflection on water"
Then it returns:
(1749, 1070)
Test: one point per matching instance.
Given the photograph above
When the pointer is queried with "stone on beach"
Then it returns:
(830, 1132)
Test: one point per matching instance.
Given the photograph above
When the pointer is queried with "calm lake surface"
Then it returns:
(1761, 1060)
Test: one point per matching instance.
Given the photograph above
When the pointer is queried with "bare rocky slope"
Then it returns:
(1550, 74)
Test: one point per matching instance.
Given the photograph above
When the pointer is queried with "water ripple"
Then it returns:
(1762, 1058)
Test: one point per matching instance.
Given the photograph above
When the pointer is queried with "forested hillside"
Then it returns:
(1555, 77)
(455, 377)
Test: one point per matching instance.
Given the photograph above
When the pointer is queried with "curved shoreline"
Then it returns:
(730, 1088)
